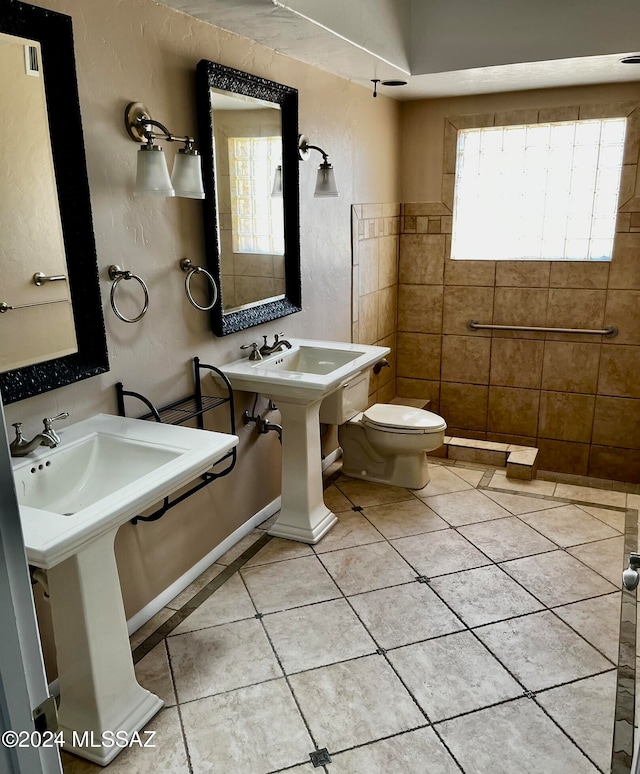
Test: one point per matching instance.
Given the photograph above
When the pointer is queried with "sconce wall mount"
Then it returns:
(326, 180)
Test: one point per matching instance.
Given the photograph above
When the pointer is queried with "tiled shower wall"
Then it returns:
(576, 397)
(375, 238)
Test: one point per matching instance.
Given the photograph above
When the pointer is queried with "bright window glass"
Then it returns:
(256, 217)
(538, 191)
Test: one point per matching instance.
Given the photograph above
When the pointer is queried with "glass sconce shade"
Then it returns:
(187, 174)
(326, 181)
(152, 177)
(277, 182)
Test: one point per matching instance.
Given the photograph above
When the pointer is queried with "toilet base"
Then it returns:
(409, 471)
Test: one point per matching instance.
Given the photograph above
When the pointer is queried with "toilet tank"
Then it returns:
(347, 401)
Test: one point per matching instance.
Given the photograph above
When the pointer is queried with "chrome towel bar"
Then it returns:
(610, 330)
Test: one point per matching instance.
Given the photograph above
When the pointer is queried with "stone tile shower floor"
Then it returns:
(454, 629)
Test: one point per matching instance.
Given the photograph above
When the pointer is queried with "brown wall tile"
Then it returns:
(620, 372)
(617, 422)
(513, 411)
(625, 263)
(462, 304)
(368, 319)
(475, 273)
(419, 355)
(523, 274)
(420, 308)
(565, 416)
(617, 464)
(422, 259)
(573, 274)
(419, 388)
(387, 311)
(623, 311)
(570, 366)
(368, 266)
(388, 261)
(569, 308)
(563, 456)
(520, 306)
(516, 362)
(465, 359)
(464, 405)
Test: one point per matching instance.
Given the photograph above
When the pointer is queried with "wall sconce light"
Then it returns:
(326, 179)
(152, 176)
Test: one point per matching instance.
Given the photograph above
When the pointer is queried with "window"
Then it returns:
(256, 217)
(544, 191)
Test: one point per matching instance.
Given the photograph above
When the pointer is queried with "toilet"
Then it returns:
(386, 443)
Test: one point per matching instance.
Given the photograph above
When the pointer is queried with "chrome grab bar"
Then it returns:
(610, 330)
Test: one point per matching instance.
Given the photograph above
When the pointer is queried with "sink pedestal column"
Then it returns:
(303, 515)
(98, 688)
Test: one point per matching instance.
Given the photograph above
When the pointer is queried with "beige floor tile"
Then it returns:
(438, 553)
(152, 624)
(404, 614)
(168, 754)
(154, 673)
(335, 500)
(585, 710)
(500, 481)
(541, 651)
(569, 526)
(615, 519)
(349, 704)
(277, 550)
(410, 517)
(284, 585)
(364, 493)
(231, 602)
(193, 588)
(505, 539)
(516, 736)
(366, 568)
(317, 635)
(443, 480)
(605, 557)
(633, 501)
(591, 495)
(474, 678)
(252, 730)
(267, 523)
(466, 507)
(240, 547)
(598, 621)
(405, 753)
(484, 595)
(222, 658)
(557, 578)
(518, 504)
(351, 529)
(472, 476)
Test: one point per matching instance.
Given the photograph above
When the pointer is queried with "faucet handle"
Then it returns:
(48, 420)
(255, 352)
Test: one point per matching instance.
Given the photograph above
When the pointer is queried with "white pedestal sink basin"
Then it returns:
(72, 501)
(298, 379)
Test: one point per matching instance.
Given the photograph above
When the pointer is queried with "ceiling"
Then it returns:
(442, 49)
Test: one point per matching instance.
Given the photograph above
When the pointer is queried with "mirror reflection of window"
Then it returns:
(256, 217)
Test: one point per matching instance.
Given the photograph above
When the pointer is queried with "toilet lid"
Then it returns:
(391, 416)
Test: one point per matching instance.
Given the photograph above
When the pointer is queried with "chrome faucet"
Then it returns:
(277, 346)
(20, 447)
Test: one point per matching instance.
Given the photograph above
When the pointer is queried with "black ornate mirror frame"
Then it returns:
(212, 75)
(54, 33)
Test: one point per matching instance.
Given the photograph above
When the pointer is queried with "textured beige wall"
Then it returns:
(139, 50)
(575, 397)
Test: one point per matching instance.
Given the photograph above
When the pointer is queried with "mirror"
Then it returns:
(248, 139)
(68, 225)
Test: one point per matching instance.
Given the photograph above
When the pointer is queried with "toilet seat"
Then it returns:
(392, 418)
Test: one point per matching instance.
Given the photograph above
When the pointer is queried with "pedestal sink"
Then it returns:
(72, 501)
(298, 380)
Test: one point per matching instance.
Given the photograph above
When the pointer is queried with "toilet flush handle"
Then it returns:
(384, 363)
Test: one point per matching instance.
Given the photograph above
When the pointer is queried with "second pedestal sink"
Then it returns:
(73, 498)
(298, 379)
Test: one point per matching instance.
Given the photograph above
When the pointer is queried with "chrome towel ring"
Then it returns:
(117, 274)
(186, 265)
